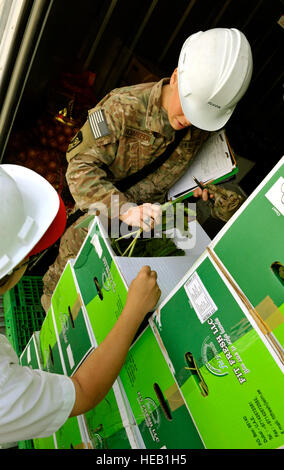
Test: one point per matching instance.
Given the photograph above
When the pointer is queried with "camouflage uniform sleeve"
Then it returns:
(227, 202)
(88, 159)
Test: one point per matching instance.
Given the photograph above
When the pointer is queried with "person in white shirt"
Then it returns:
(35, 403)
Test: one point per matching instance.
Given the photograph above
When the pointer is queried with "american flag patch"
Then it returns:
(98, 124)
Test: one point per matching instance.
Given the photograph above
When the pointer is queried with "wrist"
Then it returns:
(134, 314)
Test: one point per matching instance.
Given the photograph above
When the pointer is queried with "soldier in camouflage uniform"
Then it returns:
(134, 130)
(137, 130)
(132, 126)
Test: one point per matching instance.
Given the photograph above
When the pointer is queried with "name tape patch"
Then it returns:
(98, 124)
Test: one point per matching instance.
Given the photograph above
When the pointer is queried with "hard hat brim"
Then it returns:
(13, 279)
(205, 117)
(41, 202)
(54, 231)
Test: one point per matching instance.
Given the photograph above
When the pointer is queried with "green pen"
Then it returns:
(201, 186)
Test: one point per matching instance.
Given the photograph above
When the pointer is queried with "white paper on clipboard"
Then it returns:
(212, 161)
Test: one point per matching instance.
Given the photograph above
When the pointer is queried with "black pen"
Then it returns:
(201, 186)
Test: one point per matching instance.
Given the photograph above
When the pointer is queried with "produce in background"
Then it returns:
(43, 149)
(41, 144)
(53, 134)
(46, 162)
(70, 97)
(54, 138)
(174, 215)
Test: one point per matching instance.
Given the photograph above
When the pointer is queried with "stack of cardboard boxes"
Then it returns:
(207, 370)
(61, 345)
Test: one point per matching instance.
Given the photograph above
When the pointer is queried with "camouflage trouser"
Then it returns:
(70, 244)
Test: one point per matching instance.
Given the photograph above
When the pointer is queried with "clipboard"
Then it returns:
(214, 162)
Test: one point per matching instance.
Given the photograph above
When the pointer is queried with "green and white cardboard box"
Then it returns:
(233, 386)
(251, 242)
(51, 353)
(109, 425)
(103, 278)
(162, 417)
(102, 288)
(72, 340)
(44, 442)
(31, 355)
(72, 327)
(72, 435)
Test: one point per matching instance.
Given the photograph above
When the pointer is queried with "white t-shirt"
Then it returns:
(33, 403)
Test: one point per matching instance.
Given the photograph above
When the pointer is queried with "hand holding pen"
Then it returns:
(205, 193)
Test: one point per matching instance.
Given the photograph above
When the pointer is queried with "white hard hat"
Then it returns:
(28, 206)
(214, 72)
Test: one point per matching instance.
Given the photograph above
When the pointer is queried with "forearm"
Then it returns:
(96, 375)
